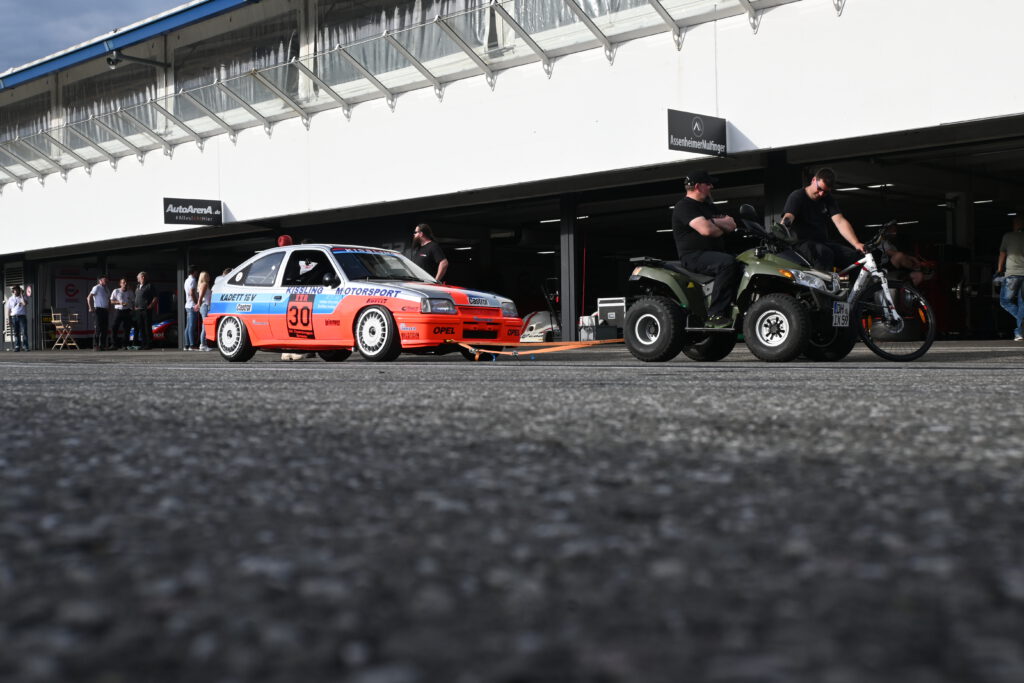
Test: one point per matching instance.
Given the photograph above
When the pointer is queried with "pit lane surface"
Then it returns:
(167, 516)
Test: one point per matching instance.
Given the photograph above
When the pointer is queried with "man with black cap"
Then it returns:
(810, 210)
(698, 233)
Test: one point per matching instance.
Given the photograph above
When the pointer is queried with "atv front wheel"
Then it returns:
(776, 328)
(655, 327)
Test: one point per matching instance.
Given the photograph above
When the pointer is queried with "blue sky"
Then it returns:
(32, 29)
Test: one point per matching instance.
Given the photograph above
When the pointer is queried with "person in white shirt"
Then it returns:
(17, 309)
(192, 320)
(99, 302)
(123, 301)
(204, 299)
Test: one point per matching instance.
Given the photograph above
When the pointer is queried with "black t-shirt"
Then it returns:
(688, 239)
(428, 257)
(812, 218)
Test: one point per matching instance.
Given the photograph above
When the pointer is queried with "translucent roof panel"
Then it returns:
(622, 18)
(500, 48)
(264, 100)
(89, 131)
(33, 157)
(43, 144)
(224, 106)
(13, 166)
(387, 64)
(436, 51)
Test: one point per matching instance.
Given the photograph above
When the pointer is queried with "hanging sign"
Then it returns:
(698, 133)
(192, 211)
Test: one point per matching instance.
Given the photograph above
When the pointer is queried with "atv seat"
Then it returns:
(699, 278)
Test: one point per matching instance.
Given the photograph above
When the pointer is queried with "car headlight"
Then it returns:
(437, 306)
(802, 278)
(508, 309)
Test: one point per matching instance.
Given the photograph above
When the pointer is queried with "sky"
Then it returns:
(32, 29)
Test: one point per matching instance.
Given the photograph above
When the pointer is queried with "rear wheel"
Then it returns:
(829, 343)
(377, 335)
(906, 339)
(233, 340)
(709, 347)
(335, 356)
(776, 328)
(655, 327)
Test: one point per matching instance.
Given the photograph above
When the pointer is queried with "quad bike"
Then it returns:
(784, 307)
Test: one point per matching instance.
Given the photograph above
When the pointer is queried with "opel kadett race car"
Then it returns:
(332, 298)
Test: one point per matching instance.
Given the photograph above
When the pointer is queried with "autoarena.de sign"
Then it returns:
(688, 132)
(192, 211)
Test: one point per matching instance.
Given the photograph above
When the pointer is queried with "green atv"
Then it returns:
(784, 307)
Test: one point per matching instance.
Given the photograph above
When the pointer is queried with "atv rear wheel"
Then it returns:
(776, 328)
(709, 347)
(655, 327)
(829, 343)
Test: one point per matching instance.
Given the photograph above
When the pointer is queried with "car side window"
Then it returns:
(307, 268)
(260, 273)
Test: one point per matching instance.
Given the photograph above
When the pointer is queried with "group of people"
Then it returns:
(133, 307)
(808, 213)
(198, 296)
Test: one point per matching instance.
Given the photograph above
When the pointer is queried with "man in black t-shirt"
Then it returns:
(698, 233)
(427, 254)
(812, 210)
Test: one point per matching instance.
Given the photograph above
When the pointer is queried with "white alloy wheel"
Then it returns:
(772, 328)
(647, 329)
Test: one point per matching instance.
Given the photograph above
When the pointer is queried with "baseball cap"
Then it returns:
(701, 176)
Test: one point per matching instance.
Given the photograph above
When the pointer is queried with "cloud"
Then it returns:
(38, 28)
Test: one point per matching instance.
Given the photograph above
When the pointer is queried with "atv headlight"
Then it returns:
(437, 306)
(802, 278)
(508, 309)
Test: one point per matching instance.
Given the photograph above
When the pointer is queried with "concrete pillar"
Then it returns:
(569, 287)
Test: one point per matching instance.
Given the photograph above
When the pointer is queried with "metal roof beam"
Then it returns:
(284, 97)
(438, 87)
(221, 123)
(609, 49)
(149, 132)
(470, 52)
(319, 82)
(178, 122)
(16, 178)
(46, 157)
(70, 152)
(677, 30)
(524, 35)
(36, 173)
(221, 86)
(96, 146)
(139, 154)
(365, 73)
(753, 16)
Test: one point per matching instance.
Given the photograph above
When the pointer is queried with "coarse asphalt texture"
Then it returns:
(168, 516)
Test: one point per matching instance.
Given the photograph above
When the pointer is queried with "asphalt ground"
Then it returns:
(168, 516)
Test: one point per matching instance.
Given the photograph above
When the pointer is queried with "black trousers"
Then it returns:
(99, 335)
(727, 272)
(122, 326)
(144, 328)
(827, 255)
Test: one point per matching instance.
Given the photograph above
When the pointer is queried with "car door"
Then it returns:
(308, 304)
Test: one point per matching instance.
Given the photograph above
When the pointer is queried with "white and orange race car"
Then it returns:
(331, 299)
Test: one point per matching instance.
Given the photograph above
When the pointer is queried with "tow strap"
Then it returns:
(535, 347)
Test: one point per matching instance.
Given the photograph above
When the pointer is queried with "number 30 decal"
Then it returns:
(300, 316)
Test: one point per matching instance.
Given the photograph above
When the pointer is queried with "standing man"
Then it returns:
(427, 254)
(123, 301)
(809, 210)
(145, 302)
(698, 233)
(17, 309)
(1011, 263)
(99, 302)
(192, 320)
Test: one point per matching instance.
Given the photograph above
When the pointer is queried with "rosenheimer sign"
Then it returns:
(696, 133)
(192, 211)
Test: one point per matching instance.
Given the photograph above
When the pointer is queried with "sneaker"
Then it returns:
(1018, 337)
(719, 322)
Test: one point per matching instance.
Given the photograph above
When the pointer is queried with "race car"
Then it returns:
(332, 298)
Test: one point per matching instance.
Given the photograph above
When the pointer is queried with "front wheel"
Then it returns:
(829, 343)
(776, 328)
(905, 339)
(335, 355)
(655, 327)
(377, 335)
(233, 340)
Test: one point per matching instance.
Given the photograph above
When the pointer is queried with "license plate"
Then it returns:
(840, 314)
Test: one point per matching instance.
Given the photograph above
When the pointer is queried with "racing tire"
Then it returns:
(655, 329)
(708, 348)
(334, 356)
(776, 328)
(233, 340)
(377, 335)
(908, 341)
(830, 344)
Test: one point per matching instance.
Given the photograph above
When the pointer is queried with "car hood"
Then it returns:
(461, 297)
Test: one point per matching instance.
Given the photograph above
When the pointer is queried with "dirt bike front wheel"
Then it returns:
(904, 340)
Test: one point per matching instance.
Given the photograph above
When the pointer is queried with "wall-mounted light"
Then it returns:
(115, 58)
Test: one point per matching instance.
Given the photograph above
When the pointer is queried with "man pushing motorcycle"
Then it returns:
(698, 233)
(809, 210)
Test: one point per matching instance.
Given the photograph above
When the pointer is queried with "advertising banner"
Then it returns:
(192, 211)
(688, 132)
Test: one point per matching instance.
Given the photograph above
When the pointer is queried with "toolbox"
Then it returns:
(612, 310)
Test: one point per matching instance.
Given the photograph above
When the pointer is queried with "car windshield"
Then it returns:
(378, 265)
